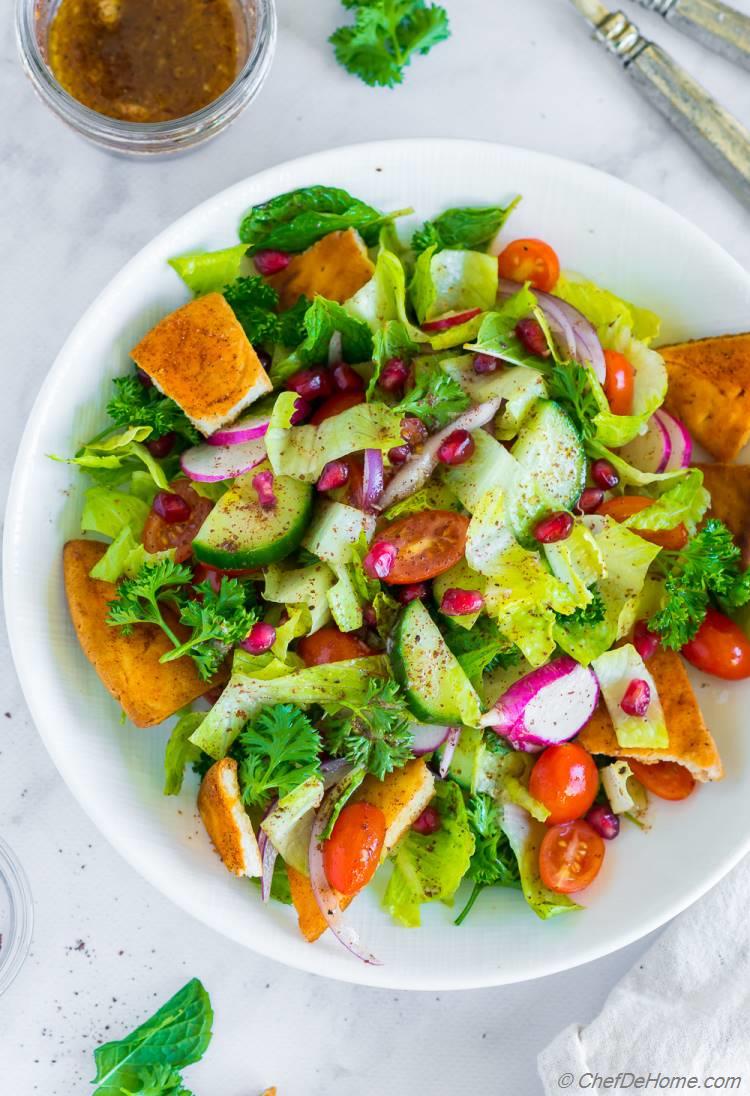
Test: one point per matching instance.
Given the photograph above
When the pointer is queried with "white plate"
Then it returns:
(598, 225)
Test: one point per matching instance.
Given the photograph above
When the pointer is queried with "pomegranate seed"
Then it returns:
(393, 375)
(554, 527)
(171, 508)
(378, 563)
(347, 379)
(604, 475)
(486, 363)
(645, 642)
(143, 377)
(268, 261)
(428, 822)
(263, 484)
(414, 431)
(461, 602)
(335, 474)
(311, 384)
(399, 454)
(637, 697)
(411, 592)
(457, 448)
(161, 447)
(264, 357)
(529, 333)
(590, 500)
(604, 821)
(369, 616)
(302, 411)
(259, 639)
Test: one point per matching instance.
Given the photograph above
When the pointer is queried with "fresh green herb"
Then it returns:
(138, 599)
(568, 384)
(147, 1061)
(134, 404)
(436, 398)
(294, 221)
(321, 321)
(254, 303)
(584, 615)
(479, 649)
(292, 330)
(493, 863)
(218, 620)
(392, 340)
(373, 733)
(708, 566)
(385, 34)
(467, 227)
(345, 789)
(278, 751)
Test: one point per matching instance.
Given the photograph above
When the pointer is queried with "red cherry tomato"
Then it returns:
(334, 405)
(720, 647)
(565, 780)
(619, 383)
(530, 261)
(158, 535)
(352, 852)
(623, 507)
(666, 779)
(330, 645)
(426, 543)
(570, 857)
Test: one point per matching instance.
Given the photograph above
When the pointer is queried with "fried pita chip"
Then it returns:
(729, 487)
(335, 267)
(709, 389)
(148, 690)
(226, 819)
(690, 742)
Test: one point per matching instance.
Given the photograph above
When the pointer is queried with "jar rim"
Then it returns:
(173, 135)
(21, 910)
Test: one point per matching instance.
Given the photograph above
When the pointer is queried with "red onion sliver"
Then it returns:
(372, 482)
(268, 861)
(448, 751)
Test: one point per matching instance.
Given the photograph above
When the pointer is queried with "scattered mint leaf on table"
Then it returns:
(385, 34)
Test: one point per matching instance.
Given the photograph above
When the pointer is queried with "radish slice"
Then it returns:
(428, 737)
(547, 706)
(329, 900)
(681, 442)
(450, 748)
(213, 463)
(652, 451)
(247, 428)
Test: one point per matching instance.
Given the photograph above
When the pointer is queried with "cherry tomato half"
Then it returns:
(570, 856)
(666, 779)
(624, 506)
(334, 405)
(330, 645)
(158, 535)
(352, 852)
(427, 544)
(565, 780)
(720, 647)
(619, 383)
(530, 261)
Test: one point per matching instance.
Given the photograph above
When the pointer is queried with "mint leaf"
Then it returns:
(296, 220)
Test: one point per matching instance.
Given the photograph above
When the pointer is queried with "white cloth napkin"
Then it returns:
(683, 1011)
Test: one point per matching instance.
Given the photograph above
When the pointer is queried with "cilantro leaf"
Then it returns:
(375, 734)
(493, 863)
(254, 303)
(463, 227)
(277, 751)
(436, 398)
(134, 404)
(218, 620)
(385, 35)
(299, 218)
(568, 384)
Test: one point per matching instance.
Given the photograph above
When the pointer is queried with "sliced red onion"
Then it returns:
(335, 349)
(334, 770)
(247, 428)
(372, 481)
(652, 450)
(415, 473)
(213, 463)
(681, 443)
(451, 742)
(427, 737)
(329, 900)
(454, 319)
(268, 856)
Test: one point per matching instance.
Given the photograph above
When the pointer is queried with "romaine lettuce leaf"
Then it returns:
(335, 529)
(577, 561)
(434, 496)
(460, 577)
(306, 586)
(505, 776)
(615, 670)
(322, 321)
(629, 476)
(297, 624)
(497, 335)
(112, 459)
(289, 825)
(209, 271)
(603, 309)
(525, 836)
(686, 501)
(108, 511)
(453, 281)
(180, 751)
(649, 389)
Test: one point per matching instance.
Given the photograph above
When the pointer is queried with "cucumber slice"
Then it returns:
(239, 533)
(437, 689)
(553, 466)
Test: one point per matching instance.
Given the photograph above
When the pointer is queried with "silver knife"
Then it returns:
(719, 138)
(713, 24)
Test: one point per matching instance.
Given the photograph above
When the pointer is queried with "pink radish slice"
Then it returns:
(547, 706)
(428, 737)
(650, 452)
(681, 442)
(444, 323)
(213, 463)
(245, 429)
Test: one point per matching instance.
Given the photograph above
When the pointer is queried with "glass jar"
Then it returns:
(33, 18)
(16, 916)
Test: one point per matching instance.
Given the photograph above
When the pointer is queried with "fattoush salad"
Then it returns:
(409, 537)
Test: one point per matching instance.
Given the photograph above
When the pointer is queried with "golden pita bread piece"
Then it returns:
(227, 821)
(709, 389)
(729, 487)
(335, 267)
(690, 741)
(149, 691)
(201, 358)
(402, 797)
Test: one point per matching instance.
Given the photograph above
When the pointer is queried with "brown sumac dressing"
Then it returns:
(146, 60)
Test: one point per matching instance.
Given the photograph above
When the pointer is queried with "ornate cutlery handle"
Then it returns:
(713, 24)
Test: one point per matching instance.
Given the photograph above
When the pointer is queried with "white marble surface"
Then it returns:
(106, 947)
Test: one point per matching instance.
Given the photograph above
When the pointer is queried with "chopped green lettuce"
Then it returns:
(603, 309)
(684, 501)
(180, 751)
(289, 824)
(649, 389)
(459, 577)
(525, 836)
(434, 496)
(453, 281)
(125, 557)
(209, 271)
(505, 776)
(306, 586)
(112, 459)
(520, 387)
(322, 320)
(489, 466)
(629, 476)
(577, 561)
(497, 335)
(108, 511)
(298, 623)
(615, 670)
(335, 530)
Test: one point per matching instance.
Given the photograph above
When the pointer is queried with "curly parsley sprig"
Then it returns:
(277, 752)
(493, 862)
(134, 404)
(375, 734)
(436, 398)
